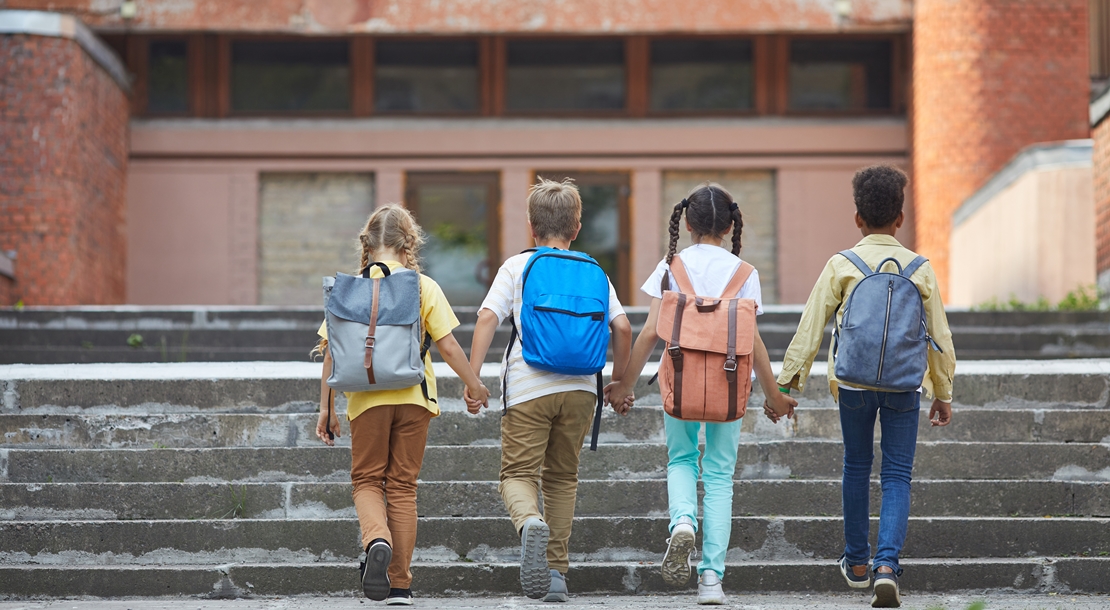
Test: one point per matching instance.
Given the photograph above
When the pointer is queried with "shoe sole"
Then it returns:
(375, 580)
(556, 597)
(862, 584)
(886, 595)
(399, 601)
(535, 578)
(711, 602)
(676, 562)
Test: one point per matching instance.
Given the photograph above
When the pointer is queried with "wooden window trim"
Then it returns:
(574, 114)
(489, 179)
(362, 76)
(480, 110)
(896, 77)
(623, 284)
(637, 70)
(756, 85)
(138, 60)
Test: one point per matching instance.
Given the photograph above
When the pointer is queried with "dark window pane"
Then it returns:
(840, 75)
(701, 75)
(290, 76)
(426, 76)
(565, 75)
(168, 77)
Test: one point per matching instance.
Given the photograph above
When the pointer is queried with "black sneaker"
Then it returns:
(886, 591)
(399, 597)
(375, 570)
(855, 582)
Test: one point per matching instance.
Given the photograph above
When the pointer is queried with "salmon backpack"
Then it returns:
(706, 372)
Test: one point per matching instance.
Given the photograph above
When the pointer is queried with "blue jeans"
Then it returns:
(719, 464)
(898, 413)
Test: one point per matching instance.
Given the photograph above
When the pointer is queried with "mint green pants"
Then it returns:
(718, 467)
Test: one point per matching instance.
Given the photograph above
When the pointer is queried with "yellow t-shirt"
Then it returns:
(439, 321)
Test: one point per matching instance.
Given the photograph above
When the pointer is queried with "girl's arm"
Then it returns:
(328, 416)
(782, 404)
(620, 394)
(454, 356)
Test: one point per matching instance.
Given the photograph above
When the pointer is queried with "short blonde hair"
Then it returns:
(554, 209)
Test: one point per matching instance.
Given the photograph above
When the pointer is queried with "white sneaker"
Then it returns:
(710, 590)
(676, 561)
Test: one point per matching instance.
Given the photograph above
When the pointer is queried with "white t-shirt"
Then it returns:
(709, 269)
(525, 382)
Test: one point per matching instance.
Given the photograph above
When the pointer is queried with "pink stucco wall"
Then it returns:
(193, 185)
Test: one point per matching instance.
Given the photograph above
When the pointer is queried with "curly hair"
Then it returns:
(879, 194)
(710, 210)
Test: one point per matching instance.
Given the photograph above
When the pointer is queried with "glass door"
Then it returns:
(459, 212)
(605, 222)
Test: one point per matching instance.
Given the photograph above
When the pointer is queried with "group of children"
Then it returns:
(547, 415)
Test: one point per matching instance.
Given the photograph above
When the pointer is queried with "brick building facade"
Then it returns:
(64, 151)
(806, 93)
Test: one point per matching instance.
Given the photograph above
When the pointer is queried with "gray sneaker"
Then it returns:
(886, 594)
(710, 590)
(558, 591)
(534, 577)
(676, 561)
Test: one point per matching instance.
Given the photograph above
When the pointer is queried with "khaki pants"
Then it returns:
(387, 449)
(540, 443)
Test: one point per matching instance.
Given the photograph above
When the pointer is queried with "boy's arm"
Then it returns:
(822, 303)
(484, 329)
(942, 364)
(622, 345)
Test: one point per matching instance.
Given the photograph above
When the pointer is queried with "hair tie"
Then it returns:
(732, 207)
(685, 204)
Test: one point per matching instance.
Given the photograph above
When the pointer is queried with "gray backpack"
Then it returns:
(375, 336)
(882, 340)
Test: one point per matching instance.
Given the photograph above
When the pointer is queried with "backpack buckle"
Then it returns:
(369, 343)
(730, 365)
(675, 353)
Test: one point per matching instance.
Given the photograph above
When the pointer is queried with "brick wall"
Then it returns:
(63, 164)
(989, 77)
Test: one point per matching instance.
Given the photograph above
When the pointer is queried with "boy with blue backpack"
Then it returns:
(563, 310)
(891, 342)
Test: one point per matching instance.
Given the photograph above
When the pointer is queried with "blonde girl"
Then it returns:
(389, 428)
(710, 215)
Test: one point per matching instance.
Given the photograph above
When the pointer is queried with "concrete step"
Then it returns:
(101, 334)
(494, 540)
(103, 428)
(648, 497)
(1032, 574)
(798, 458)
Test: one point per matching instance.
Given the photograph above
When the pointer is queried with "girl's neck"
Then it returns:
(388, 254)
(707, 240)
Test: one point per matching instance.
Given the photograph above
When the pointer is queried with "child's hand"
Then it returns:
(619, 397)
(323, 421)
(476, 397)
(779, 405)
(941, 413)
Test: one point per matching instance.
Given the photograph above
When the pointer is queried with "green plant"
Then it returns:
(238, 502)
(1084, 298)
(158, 445)
(135, 340)
(18, 305)
(86, 345)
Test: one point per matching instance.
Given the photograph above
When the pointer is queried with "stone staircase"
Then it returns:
(206, 479)
(47, 335)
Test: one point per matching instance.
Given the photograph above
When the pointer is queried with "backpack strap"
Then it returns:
(857, 261)
(509, 350)
(424, 354)
(914, 265)
(739, 278)
(675, 352)
(730, 360)
(681, 278)
(368, 355)
(597, 414)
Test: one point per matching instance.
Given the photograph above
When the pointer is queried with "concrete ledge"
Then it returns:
(58, 25)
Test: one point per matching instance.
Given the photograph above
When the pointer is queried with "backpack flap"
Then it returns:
(703, 322)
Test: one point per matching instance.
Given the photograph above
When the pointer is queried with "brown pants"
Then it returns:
(387, 449)
(545, 434)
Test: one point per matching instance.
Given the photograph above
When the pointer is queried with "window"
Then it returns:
(290, 76)
(840, 75)
(459, 212)
(167, 77)
(426, 76)
(564, 75)
(701, 75)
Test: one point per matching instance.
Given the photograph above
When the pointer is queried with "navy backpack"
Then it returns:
(564, 318)
(882, 340)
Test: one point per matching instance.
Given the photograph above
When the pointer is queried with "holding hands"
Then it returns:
(778, 405)
(619, 397)
(476, 397)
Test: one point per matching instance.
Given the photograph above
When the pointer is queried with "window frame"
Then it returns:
(225, 66)
(502, 71)
(758, 68)
(138, 51)
(482, 67)
(897, 75)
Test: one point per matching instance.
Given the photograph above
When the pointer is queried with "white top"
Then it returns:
(525, 382)
(710, 268)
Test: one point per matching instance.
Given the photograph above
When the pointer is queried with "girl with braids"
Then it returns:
(390, 427)
(711, 214)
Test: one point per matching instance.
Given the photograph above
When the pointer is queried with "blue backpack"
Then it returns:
(882, 340)
(564, 318)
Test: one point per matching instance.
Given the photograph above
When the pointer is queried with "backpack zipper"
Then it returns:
(886, 327)
(598, 316)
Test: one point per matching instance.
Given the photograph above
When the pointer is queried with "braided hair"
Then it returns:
(710, 210)
(393, 227)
